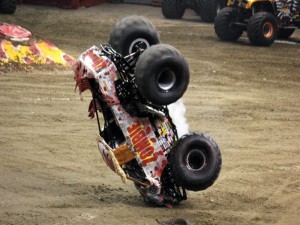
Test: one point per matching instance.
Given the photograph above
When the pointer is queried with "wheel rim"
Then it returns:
(268, 29)
(166, 80)
(138, 43)
(196, 160)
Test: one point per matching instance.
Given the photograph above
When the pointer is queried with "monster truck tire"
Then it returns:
(195, 161)
(162, 74)
(223, 28)
(285, 33)
(172, 9)
(262, 29)
(208, 9)
(8, 6)
(130, 31)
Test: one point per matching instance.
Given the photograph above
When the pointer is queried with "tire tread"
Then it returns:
(254, 29)
(130, 25)
(222, 26)
(179, 179)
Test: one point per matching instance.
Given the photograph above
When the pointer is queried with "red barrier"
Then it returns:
(14, 32)
(66, 4)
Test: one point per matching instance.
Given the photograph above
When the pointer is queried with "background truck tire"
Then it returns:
(223, 27)
(284, 33)
(208, 9)
(8, 6)
(172, 9)
(262, 29)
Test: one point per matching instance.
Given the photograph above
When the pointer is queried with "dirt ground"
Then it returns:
(245, 97)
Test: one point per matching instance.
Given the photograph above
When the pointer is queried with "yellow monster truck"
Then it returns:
(263, 20)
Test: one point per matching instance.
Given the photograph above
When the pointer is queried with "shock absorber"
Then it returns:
(287, 8)
(296, 7)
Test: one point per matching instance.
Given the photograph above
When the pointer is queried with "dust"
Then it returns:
(177, 112)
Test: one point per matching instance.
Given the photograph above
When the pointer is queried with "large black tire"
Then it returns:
(172, 9)
(262, 29)
(223, 28)
(284, 33)
(195, 161)
(130, 31)
(208, 9)
(8, 6)
(162, 74)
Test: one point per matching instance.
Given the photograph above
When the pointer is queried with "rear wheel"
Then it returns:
(208, 9)
(284, 33)
(195, 161)
(8, 6)
(162, 74)
(223, 25)
(131, 32)
(172, 9)
(262, 29)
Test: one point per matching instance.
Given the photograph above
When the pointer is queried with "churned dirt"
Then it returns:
(245, 97)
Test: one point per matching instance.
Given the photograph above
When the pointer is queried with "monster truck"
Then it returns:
(263, 20)
(8, 6)
(206, 9)
(133, 80)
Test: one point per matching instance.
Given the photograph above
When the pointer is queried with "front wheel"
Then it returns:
(223, 25)
(262, 29)
(162, 74)
(195, 161)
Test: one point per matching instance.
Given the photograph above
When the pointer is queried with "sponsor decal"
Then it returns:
(142, 144)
